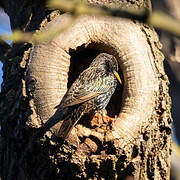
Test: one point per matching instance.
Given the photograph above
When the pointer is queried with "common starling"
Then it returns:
(90, 92)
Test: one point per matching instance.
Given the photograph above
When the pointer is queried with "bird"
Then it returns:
(90, 92)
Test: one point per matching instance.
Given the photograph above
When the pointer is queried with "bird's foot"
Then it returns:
(103, 118)
(111, 121)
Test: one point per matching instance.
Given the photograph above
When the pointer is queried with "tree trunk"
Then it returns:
(36, 76)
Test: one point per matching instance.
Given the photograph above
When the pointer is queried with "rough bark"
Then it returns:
(137, 144)
(171, 50)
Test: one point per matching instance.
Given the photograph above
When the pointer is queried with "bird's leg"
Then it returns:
(103, 113)
(99, 118)
(113, 120)
(107, 119)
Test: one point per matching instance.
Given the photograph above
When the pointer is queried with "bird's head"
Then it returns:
(108, 62)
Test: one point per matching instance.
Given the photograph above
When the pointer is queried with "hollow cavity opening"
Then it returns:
(80, 60)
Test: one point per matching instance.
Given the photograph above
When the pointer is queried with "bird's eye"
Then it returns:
(107, 65)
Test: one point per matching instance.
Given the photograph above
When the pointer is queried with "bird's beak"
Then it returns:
(118, 77)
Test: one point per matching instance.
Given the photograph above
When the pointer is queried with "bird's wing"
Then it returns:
(88, 85)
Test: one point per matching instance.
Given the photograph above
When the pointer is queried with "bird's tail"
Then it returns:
(65, 128)
(70, 121)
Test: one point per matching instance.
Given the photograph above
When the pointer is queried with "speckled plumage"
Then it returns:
(90, 92)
